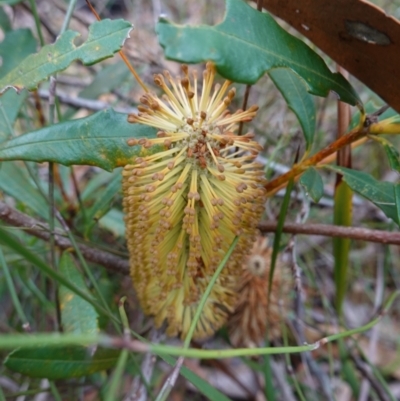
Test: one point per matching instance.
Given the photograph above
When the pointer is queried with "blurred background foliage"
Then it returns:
(366, 367)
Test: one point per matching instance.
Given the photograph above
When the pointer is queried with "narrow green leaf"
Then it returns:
(102, 178)
(278, 233)
(378, 192)
(97, 140)
(11, 288)
(115, 383)
(269, 388)
(10, 240)
(109, 78)
(10, 104)
(298, 99)
(397, 199)
(391, 152)
(4, 21)
(202, 386)
(342, 216)
(102, 203)
(312, 183)
(77, 315)
(246, 45)
(114, 222)
(15, 47)
(56, 363)
(15, 182)
(105, 38)
(393, 156)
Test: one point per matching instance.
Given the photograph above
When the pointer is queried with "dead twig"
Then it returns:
(41, 230)
(327, 230)
(95, 105)
(366, 372)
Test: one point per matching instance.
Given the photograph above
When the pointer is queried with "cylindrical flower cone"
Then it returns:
(186, 202)
(255, 315)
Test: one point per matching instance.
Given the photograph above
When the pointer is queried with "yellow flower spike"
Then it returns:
(185, 204)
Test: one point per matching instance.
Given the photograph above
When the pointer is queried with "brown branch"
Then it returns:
(364, 234)
(90, 104)
(353, 136)
(41, 230)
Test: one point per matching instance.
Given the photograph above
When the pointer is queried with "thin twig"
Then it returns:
(366, 372)
(380, 111)
(121, 53)
(313, 370)
(52, 98)
(278, 370)
(41, 230)
(244, 106)
(95, 105)
(327, 230)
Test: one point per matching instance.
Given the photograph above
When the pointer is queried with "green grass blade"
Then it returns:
(11, 289)
(278, 233)
(207, 293)
(115, 383)
(203, 386)
(9, 240)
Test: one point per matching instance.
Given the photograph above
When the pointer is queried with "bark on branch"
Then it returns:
(328, 230)
(117, 264)
(41, 230)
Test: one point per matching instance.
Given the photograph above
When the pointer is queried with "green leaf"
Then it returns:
(114, 222)
(312, 183)
(246, 45)
(13, 243)
(115, 385)
(393, 156)
(4, 20)
(278, 234)
(396, 192)
(109, 78)
(298, 100)
(10, 104)
(105, 38)
(202, 386)
(102, 203)
(391, 152)
(97, 140)
(15, 182)
(77, 315)
(381, 193)
(56, 363)
(15, 47)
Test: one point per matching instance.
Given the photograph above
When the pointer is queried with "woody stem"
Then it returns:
(353, 136)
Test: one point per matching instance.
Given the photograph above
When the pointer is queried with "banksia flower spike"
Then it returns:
(253, 319)
(185, 202)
